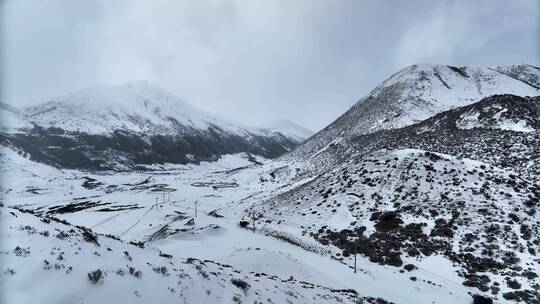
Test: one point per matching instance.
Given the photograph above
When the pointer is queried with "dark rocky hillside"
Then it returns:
(398, 207)
(503, 130)
(127, 150)
(412, 95)
(494, 137)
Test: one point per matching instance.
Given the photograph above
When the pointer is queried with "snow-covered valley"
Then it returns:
(124, 206)
(156, 210)
(438, 205)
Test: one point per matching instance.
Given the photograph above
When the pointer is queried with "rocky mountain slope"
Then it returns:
(402, 207)
(503, 130)
(437, 163)
(415, 94)
(123, 127)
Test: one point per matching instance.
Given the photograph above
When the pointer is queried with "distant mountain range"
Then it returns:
(132, 125)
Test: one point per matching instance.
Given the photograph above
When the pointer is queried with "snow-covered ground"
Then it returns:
(158, 208)
(46, 261)
(456, 222)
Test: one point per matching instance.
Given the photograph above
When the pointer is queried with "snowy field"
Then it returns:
(159, 207)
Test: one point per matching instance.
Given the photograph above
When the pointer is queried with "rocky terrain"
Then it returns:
(397, 207)
(412, 95)
(503, 130)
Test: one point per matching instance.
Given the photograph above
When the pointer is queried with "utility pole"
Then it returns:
(355, 262)
(355, 254)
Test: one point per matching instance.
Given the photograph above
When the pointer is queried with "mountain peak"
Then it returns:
(289, 128)
(132, 124)
(418, 92)
(422, 90)
(137, 106)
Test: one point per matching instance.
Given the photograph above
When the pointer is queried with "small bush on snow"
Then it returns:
(240, 284)
(95, 276)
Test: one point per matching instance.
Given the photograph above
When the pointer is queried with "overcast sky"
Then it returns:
(307, 61)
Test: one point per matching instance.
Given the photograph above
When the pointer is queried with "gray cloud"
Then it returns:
(306, 61)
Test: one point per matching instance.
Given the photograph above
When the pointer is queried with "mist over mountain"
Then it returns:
(136, 124)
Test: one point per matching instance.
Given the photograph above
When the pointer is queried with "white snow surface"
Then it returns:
(470, 120)
(49, 262)
(11, 120)
(228, 187)
(442, 88)
(43, 261)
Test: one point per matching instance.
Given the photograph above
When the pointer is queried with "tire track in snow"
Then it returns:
(136, 222)
(109, 218)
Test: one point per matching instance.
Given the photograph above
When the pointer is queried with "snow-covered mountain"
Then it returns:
(12, 119)
(416, 93)
(437, 168)
(134, 107)
(115, 127)
(503, 130)
(409, 208)
(289, 129)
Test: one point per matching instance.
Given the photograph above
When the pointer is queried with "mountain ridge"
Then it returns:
(416, 93)
(135, 106)
(131, 126)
